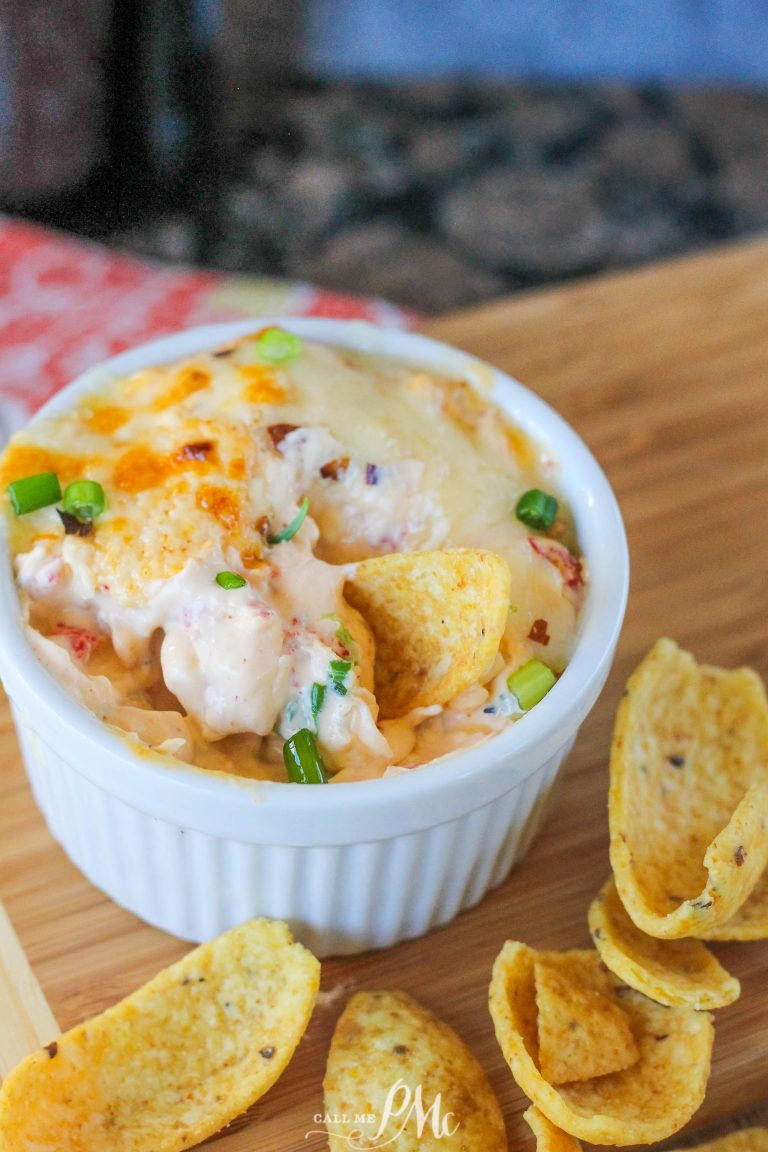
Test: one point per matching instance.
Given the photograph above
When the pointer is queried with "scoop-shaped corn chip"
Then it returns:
(582, 1031)
(174, 1062)
(412, 1078)
(645, 1103)
(688, 802)
(751, 920)
(549, 1138)
(745, 1140)
(669, 971)
(437, 619)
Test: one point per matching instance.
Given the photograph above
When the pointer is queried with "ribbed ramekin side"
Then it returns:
(338, 899)
(534, 794)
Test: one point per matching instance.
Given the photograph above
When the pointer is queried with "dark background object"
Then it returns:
(53, 102)
(442, 194)
(112, 121)
(186, 130)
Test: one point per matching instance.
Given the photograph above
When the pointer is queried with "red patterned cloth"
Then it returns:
(65, 305)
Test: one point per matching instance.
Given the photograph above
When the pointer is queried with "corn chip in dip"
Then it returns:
(185, 542)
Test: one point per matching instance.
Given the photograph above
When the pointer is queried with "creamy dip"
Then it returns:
(207, 467)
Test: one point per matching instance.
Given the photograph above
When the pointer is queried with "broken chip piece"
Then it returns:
(397, 1077)
(175, 1061)
(582, 1031)
(688, 802)
(549, 1138)
(671, 972)
(437, 619)
(642, 1104)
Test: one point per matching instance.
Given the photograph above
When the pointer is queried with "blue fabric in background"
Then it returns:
(685, 41)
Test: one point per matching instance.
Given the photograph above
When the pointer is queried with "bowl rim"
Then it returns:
(435, 792)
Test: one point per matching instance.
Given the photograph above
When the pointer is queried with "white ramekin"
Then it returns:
(350, 866)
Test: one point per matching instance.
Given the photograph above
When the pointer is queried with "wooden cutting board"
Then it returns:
(665, 375)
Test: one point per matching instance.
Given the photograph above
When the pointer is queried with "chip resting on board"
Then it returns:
(175, 1061)
(409, 1076)
(647, 1102)
(437, 619)
(688, 800)
(673, 972)
(582, 1031)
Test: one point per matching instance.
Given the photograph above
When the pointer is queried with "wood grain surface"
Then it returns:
(26, 1020)
(665, 375)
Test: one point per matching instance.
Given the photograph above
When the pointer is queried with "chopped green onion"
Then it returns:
(537, 509)
(277, 346)
(84, 499)
(316, 698)
(339, 670)
(531, 683)
(344, 637)
(291, 529)
(33, 492)
(230, 580)
(303, 762)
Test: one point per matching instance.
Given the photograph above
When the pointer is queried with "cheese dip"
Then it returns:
(182, 539)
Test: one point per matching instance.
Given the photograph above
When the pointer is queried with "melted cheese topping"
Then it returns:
(203, 463)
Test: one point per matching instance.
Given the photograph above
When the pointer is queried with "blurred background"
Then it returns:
(436, 154)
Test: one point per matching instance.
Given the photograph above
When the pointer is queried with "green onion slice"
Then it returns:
(277, 346)
(338, 672)
(291, 529)
(344, 636)
(537, 509)
(303, 761)
(33, 492)
(531, 683)
(230, 580)
(84, 499)
(316, 698)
